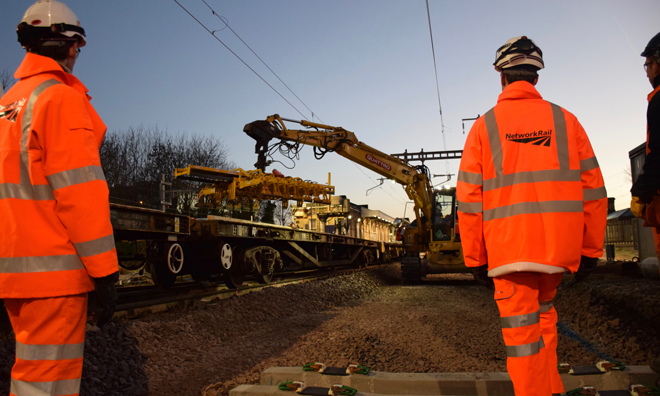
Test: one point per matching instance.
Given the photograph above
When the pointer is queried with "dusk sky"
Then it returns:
(365, 65)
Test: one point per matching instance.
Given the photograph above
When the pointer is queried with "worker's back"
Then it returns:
(539, 173)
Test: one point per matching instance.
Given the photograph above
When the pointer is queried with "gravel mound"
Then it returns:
(619, 318)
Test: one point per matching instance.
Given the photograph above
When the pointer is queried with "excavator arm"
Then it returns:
(326, 138)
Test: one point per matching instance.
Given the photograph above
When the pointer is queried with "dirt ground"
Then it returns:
(447, 324)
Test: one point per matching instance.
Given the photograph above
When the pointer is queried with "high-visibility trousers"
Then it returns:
(529, 327)
(50, 339)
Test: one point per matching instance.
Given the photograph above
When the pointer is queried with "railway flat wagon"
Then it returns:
(240, 248)
(170, 245)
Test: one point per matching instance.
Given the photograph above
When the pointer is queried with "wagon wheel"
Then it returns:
(157, 266)
(226, 256)
(235, 274)
(175, 258)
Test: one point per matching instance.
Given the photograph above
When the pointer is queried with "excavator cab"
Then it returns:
(443, 216)
(445, 247)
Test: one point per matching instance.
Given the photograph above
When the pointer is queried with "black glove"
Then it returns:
(480, 274)
(587, 265)
(106, 298)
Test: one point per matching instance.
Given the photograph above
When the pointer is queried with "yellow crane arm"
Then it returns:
(346, 144)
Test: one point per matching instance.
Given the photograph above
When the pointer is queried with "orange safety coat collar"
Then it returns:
(652, 94)
(519, 90)
(34, 64)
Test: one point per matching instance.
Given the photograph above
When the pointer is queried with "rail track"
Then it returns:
(133, 298)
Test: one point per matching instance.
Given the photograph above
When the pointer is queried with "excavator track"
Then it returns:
(411, 270)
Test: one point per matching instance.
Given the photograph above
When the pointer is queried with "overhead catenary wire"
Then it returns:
(239, 58)
(397, 192)
(262, 61)
(437, 84)
(369, 177)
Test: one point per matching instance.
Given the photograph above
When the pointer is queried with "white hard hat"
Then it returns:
(518, 51)
(46, 17)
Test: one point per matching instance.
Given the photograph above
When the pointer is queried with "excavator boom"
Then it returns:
(326, 138)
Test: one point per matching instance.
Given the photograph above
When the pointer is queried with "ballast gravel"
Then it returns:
(446, 324)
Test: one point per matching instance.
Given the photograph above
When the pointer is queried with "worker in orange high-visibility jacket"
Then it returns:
(532, 205)
(56, 242)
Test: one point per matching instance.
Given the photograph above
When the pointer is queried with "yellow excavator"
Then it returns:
(432, 241)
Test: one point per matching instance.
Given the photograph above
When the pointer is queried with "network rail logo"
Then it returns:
(10, 111)
(536, 138)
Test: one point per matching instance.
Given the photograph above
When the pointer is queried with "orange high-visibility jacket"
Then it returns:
(531, 195)
(54, 204)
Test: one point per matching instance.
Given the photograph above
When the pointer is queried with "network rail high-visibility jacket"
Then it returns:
(531, 195)
(54, 203)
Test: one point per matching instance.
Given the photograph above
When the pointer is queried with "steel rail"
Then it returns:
(135, 301)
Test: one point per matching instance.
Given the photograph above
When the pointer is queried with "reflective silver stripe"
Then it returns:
(24, 189)
(27, 125)
(561, 136)
(38, 193)
(96, 246)
(533, 207)
(470, 207)
(545, 306)
(49, 352)
(525, 349)
(510, 322)
(21, 265)
(588, 164)
(502, 180)
(48, 388)
(469, 177)
(594, 193)
(27, 115)
(76, 176)
(554, 175)
(495, 141)
(25, 172)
